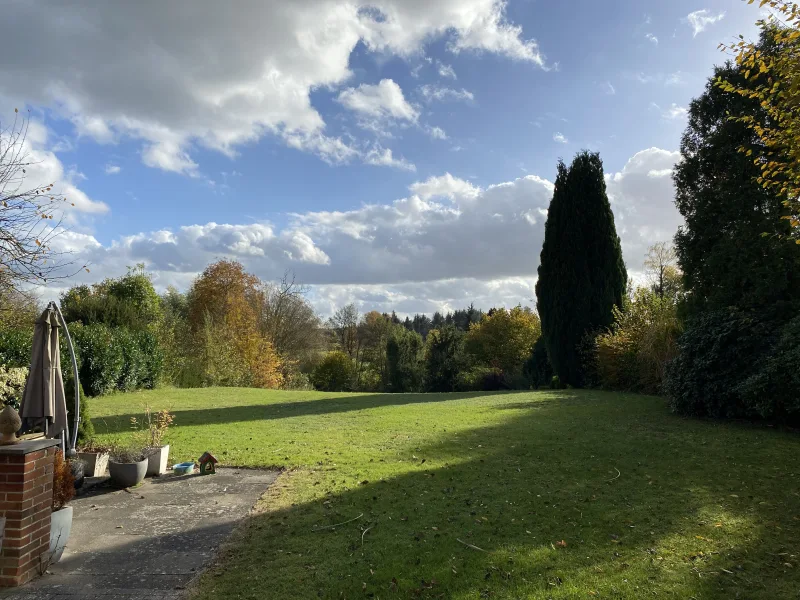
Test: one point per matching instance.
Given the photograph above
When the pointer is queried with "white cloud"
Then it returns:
(560, 138)
(651, 38)
(112, 169)
(251, 76)
(445, 244)
(675, 112)
(45, 168)
(382, 157)
(610, 89)
(382, 101)
(445, 186)
(699, 20)
(437, 133)
(442, 94)
(446, 71)
(642, 196)
(675, 78)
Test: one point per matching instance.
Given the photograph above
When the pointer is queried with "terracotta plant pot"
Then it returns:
(157, 461)
(96, 463)
(127, 474)
(60, 527)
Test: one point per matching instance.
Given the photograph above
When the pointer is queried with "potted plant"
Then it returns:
(157, 452)
(127, 464)
(61, 519)
(95, 459)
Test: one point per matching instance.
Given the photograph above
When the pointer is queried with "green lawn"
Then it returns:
(470, 495)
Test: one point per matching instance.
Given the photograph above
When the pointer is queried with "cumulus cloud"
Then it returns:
(442, 94)
(112, 169)
(446, 243)
(382, 101)
(560, 138)
(193, 73)
(642, 197)
(383, 157)
(699, 20)
(609, 88)
(651, 38)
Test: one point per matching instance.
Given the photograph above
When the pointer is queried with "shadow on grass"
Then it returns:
(283, 410)
(553, 503)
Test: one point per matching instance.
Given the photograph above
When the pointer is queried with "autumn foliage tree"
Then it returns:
(504, 338)
(771, 78)
(223, 305)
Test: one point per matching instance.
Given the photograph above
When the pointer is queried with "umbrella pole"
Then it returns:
(70, 451)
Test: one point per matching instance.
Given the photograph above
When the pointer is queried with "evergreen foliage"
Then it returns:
(403, 357)
(581, 272)
(444, 358)
(730, 250)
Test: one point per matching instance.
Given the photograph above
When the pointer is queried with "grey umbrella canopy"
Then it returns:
(43, 402)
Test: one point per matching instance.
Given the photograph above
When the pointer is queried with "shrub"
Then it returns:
(537, 368)
(297, 380)
(102, 358)
(153, 359)
(12, 384)
(715, 358)
(63, 482)
(774, 389)
(85, 426)
(335, 373)
(16, 346)
(133, 360)
(634, 353)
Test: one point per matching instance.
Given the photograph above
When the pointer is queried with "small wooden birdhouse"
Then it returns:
(208, 464)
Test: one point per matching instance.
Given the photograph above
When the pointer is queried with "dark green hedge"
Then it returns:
(116, 359)
(736, 364)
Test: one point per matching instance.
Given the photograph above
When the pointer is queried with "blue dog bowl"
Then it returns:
(183, 468)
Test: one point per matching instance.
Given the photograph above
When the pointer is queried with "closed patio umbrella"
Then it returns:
(43, 402)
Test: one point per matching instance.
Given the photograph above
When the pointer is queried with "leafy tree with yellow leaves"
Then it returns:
(772, 78)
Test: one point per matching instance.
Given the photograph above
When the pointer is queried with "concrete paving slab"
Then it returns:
(147, 543)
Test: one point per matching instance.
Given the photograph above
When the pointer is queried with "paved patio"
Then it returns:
(150, 542)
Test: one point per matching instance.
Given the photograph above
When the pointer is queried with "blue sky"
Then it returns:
(397, 154)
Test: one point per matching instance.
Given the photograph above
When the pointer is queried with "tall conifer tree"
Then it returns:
(581, 272)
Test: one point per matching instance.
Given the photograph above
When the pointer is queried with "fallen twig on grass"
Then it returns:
(471, 546)
(363, 533)
(337, 524)
(613, 478)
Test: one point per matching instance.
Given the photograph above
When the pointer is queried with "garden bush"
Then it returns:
(717, 372)
(537, 368)
(102, 358)
(774, 389)
(335, 373)
(633, 354)
(85, 427)
(16, 346)
(12, 384)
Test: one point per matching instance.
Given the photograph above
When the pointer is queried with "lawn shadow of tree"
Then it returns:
(698, 510)
(284, 410)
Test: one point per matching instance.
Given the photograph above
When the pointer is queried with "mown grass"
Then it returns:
(471, 495)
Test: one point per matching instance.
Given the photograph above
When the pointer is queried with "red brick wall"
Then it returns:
(26, 502)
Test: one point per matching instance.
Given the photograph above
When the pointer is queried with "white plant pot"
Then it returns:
(60, 527)
(157, 461)
(96, 463)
